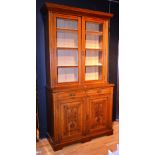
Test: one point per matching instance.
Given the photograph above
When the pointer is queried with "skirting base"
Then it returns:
(59, 146)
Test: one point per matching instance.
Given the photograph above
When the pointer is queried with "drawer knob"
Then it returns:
(71, 94)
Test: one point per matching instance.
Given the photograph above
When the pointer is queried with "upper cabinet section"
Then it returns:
(77, 41)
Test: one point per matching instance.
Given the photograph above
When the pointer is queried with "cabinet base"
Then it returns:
(59, 146)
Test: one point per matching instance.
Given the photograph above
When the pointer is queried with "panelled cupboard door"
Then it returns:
(99, 109)
(67, 49)
(95, 48)
(71, 119)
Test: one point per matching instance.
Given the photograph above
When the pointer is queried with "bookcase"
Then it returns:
(79, 96)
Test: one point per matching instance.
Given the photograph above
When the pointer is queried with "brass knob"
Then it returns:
(71, 94)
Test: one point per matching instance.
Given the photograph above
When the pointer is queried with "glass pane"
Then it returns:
(90, 26)
(67, 54)
(94, 53)
(93, 73)
(67, 75)
(66, 23)
(67, 39)
(93, 58)
(93, 41)
(67, 57)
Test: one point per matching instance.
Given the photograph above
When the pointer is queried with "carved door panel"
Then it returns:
(99, 109)
(71, 119)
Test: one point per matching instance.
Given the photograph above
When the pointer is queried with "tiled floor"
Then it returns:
(97, 146)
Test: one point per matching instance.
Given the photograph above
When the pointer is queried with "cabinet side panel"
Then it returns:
(110, 108)
(50, 120)
(47, 52)
(50, 48)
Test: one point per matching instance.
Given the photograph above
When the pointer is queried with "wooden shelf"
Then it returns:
(66, 29)
(67, 66)
(94, 49)
(94, 32)
(67, 48)
(94, 65)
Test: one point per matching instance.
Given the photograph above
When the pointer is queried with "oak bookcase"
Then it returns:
(79, 96)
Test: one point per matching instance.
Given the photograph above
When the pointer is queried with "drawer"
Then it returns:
(70, 94)
(98, 91)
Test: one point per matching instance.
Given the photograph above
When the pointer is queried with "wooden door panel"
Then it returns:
(71, 119)
(98, 112)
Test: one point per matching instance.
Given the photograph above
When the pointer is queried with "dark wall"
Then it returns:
(113, 56)
(40, 40)
(41, 72)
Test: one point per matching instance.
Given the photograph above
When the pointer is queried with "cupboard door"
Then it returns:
(99, 113)
(95, 43)
(71, 119)
(67, 49)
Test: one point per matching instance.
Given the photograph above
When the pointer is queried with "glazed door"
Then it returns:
(95, 49)
(99, 110)
(67, 49)
(71, 116)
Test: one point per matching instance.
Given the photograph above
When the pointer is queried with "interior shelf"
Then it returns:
(66, 29)
(67, 48)
(67, 66)
(94, 49)
(93, 65)
(94, 33)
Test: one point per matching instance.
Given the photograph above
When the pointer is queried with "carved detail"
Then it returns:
(98, 114)
(71, 119)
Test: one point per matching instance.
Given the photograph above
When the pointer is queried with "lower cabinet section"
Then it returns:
(79, 118)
